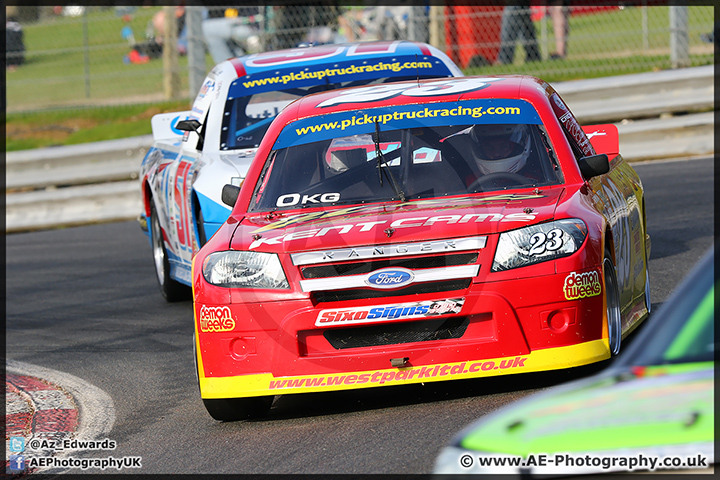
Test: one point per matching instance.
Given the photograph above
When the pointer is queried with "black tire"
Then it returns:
(613, 312)
(648, 303)
(172, 290)
(197, 369)
(234, 409)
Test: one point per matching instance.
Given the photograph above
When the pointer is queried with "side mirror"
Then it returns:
(191, 125)
(594, 165)
(230, 194)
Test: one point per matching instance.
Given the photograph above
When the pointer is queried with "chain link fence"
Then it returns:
(60, 57)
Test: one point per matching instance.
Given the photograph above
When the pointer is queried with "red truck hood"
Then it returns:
(378, 224)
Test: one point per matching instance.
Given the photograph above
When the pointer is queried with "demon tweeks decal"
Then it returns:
(581, 285)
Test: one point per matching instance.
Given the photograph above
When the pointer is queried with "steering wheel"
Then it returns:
(515, 178)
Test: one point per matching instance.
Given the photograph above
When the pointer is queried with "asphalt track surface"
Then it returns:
(85, 301)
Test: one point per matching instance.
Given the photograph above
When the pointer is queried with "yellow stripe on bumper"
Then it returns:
(266, 384)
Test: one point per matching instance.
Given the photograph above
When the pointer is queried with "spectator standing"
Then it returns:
(156, 30)
(14, 44)
(228, 31)
(516, 25)
(559, 13)
(711, 37)
(294, 24)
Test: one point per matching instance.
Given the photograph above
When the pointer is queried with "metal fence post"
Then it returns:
(437, 30)
(544, 53)
(86, 52)
(411, 27)
(171, 77)
(679, 39)
(196, 50)
(418, 24)
(645, 28)
(268, 27)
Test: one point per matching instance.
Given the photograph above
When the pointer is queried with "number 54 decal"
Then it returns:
(429, 89)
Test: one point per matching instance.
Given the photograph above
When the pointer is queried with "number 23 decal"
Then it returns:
(540, 242)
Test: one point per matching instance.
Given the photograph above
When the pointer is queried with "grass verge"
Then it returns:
(72, 126)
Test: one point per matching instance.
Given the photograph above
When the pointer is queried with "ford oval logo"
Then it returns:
(390, 278)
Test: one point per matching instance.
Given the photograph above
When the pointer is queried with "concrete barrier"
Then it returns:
(681, 136)
(97, 162)
(658, 114)
(52, 207)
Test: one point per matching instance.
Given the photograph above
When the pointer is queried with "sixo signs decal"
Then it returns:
(381, 313)
(429, 89)
(581, 285)
(216, 319)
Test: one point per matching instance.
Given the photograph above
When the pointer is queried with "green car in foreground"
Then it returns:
(651, 409)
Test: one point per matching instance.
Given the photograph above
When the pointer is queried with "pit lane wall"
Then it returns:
(658, 114)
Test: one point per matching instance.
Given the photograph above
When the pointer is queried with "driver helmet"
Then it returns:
(500, 147)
